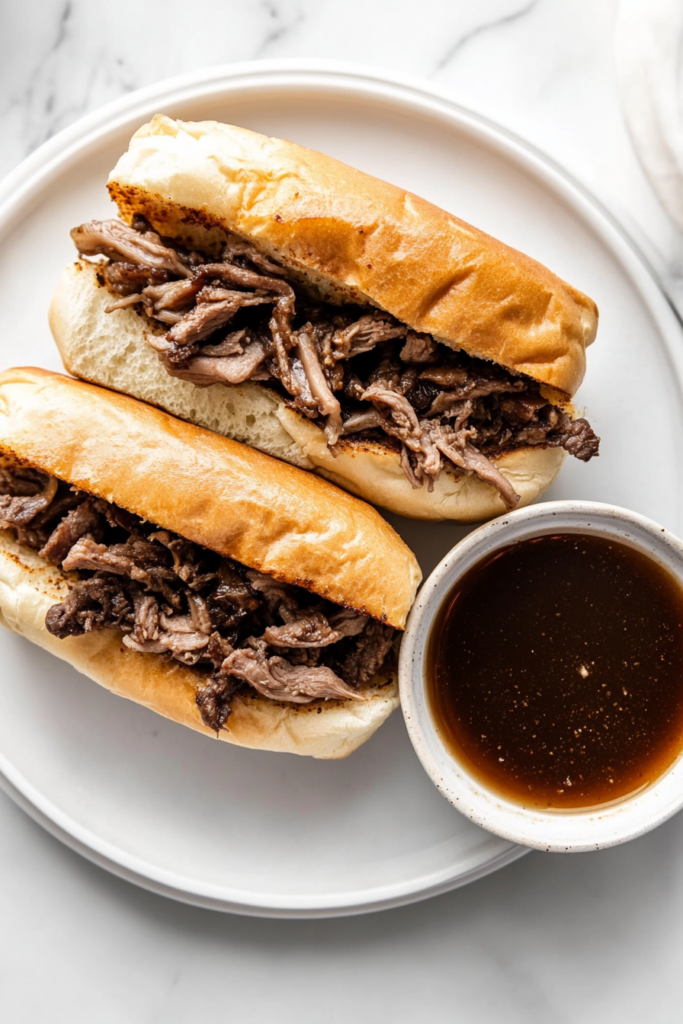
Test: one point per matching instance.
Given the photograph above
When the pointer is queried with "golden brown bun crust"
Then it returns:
(216, 492)
(359, 237)
(29, 587)
(110, 349)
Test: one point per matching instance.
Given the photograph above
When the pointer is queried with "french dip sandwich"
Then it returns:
(192, 574)
(282, 298)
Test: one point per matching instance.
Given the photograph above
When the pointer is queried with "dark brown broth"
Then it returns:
(556, 668)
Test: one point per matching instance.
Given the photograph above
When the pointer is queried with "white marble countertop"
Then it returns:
(589, 938)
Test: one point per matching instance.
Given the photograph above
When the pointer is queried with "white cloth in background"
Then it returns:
(649, 51)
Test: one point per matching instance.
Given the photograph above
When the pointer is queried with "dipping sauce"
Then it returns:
(555, 671)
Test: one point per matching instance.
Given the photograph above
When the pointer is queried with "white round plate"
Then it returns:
(273, 834)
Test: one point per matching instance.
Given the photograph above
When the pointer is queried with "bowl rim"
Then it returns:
(565, 830)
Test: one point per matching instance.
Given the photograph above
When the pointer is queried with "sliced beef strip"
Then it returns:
(118, 517)
(358, 660)
(86, 553)
(191, 563)
(521, 409)
(183, 645)
(365, 420)
(129, 300)
(203, 370)
(283, 311)
(310, 631)
(20, 481)
(456, 447)
(419, 348)
(146, 611)
(215, 699)
(128, 278)
(171, 295)
(67, 498)
(138, 558)
(348, 622)
(119, 242)
(237, 250)
(16, 511)
(98, 603)
(81, 520)
(21, 509)
(304, 683)
(200, 323)
(233, 344)
(327, 404)
(577, 437)
(233, 601)
(281, 598)
(277, 679)
(146, 646)
(410, 470)
(200, 614)
(245, 278)
(183, 636)
(404, 423)
(32, 520)
(311, 362)
(447, 376)
(364, 334)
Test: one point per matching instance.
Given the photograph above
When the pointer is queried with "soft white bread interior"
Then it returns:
(110, 349)
(223, 495)
(352, 236)
(323, 729)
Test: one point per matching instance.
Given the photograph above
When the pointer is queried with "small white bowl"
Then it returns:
(558, 830)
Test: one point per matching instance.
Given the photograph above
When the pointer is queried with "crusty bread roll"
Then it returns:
(348, 237)
(236, 501)
(108, 349)
(359, 238)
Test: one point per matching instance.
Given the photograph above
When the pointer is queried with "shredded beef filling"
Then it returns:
(356, 372)
(240, 629)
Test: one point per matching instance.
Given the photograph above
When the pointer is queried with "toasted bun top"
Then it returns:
(211, 490)
(356, 237)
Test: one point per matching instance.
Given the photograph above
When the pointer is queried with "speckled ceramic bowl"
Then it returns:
(559, 830)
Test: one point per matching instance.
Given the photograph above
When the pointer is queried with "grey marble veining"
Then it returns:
(594, 938)
(497, 23)
(59, 60)
(544, 68)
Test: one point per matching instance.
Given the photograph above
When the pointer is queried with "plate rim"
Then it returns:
(71, 146)
(508, 853)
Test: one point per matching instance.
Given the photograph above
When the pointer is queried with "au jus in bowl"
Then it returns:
(542, 675)
(555, 670)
